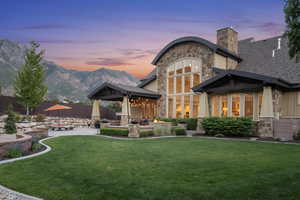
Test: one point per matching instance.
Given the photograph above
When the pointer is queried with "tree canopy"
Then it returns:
(292, 19)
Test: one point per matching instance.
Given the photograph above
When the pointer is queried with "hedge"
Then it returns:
(114, 132)
(179, 131)
(228, 126)
(146, 133)
(191, 122)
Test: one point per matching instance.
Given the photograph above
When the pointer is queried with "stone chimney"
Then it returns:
(228, 38)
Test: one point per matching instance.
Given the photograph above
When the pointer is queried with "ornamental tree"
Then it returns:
(29, 84)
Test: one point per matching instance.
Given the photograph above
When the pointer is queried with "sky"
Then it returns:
(127, 34)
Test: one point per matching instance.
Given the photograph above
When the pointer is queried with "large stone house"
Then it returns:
(196, 78)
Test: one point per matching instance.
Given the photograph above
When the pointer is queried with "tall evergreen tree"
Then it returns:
(292, 19)
(29, 84)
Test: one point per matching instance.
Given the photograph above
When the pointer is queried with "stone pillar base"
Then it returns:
(134, 130)
(200, 129)
(124, 120)
(265, 127)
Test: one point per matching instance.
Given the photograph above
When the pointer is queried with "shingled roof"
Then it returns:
(258, 58)
(119, 90)
(148, 79)
(214, 47)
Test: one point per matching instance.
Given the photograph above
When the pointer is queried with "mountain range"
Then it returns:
(62, 83)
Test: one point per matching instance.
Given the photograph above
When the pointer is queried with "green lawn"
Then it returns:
(91, 167)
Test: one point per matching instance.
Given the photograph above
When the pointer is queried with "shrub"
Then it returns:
(14, 153)
(146, 134)
(228, 126)
(192, 123)
(10, 122)
(36, 147)
(40, 117)
(297, 136)
(219, 135)
(114, 132)
(18, 117)
(179, 131)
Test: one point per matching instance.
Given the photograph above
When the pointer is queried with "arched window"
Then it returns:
(182, 75)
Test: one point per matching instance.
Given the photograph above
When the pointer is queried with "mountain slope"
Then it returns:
(62, 83)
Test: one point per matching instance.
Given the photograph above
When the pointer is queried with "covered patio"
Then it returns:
(137, 103)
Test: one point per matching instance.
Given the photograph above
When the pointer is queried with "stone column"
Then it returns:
(96, 111)
(126, 111)
(204, 111)
(266, 118)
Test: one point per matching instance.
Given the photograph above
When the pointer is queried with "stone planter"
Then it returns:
(134, 130)
(162, 128)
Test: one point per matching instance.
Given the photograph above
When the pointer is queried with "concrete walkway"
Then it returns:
(76, 131)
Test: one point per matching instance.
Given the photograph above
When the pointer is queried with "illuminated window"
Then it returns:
(196, 79)
(187, 83)
(236, 105)
(215, 106)
(170, 107)
(179, 84)
(171, 85)
(248, 105)
(181, 77)
(187, 69)
(178, 107)
(187, 106)
(224, 106)
(179, 71)
(196, 104)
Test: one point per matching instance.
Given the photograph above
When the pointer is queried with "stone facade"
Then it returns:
(180, 51)
(265, 127)
(200, 128)
(228, 38)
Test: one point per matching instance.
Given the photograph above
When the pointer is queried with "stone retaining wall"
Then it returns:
(29, 126)
(24, 144)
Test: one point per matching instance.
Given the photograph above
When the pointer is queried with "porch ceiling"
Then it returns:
(116, 92)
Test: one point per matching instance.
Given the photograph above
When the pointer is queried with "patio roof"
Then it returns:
(237, 81)
(116, 92)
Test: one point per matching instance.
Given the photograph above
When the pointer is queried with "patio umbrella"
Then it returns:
(58, 108)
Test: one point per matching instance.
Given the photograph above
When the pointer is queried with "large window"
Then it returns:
(196, 104)
(182, 76)
(215, 106)
(224, 106)
(236, 104)
(248, 105)
(178, 107)
(186, 106)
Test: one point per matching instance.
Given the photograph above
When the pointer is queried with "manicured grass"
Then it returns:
(91, 167)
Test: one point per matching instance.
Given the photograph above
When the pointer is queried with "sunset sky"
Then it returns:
(126, 34)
